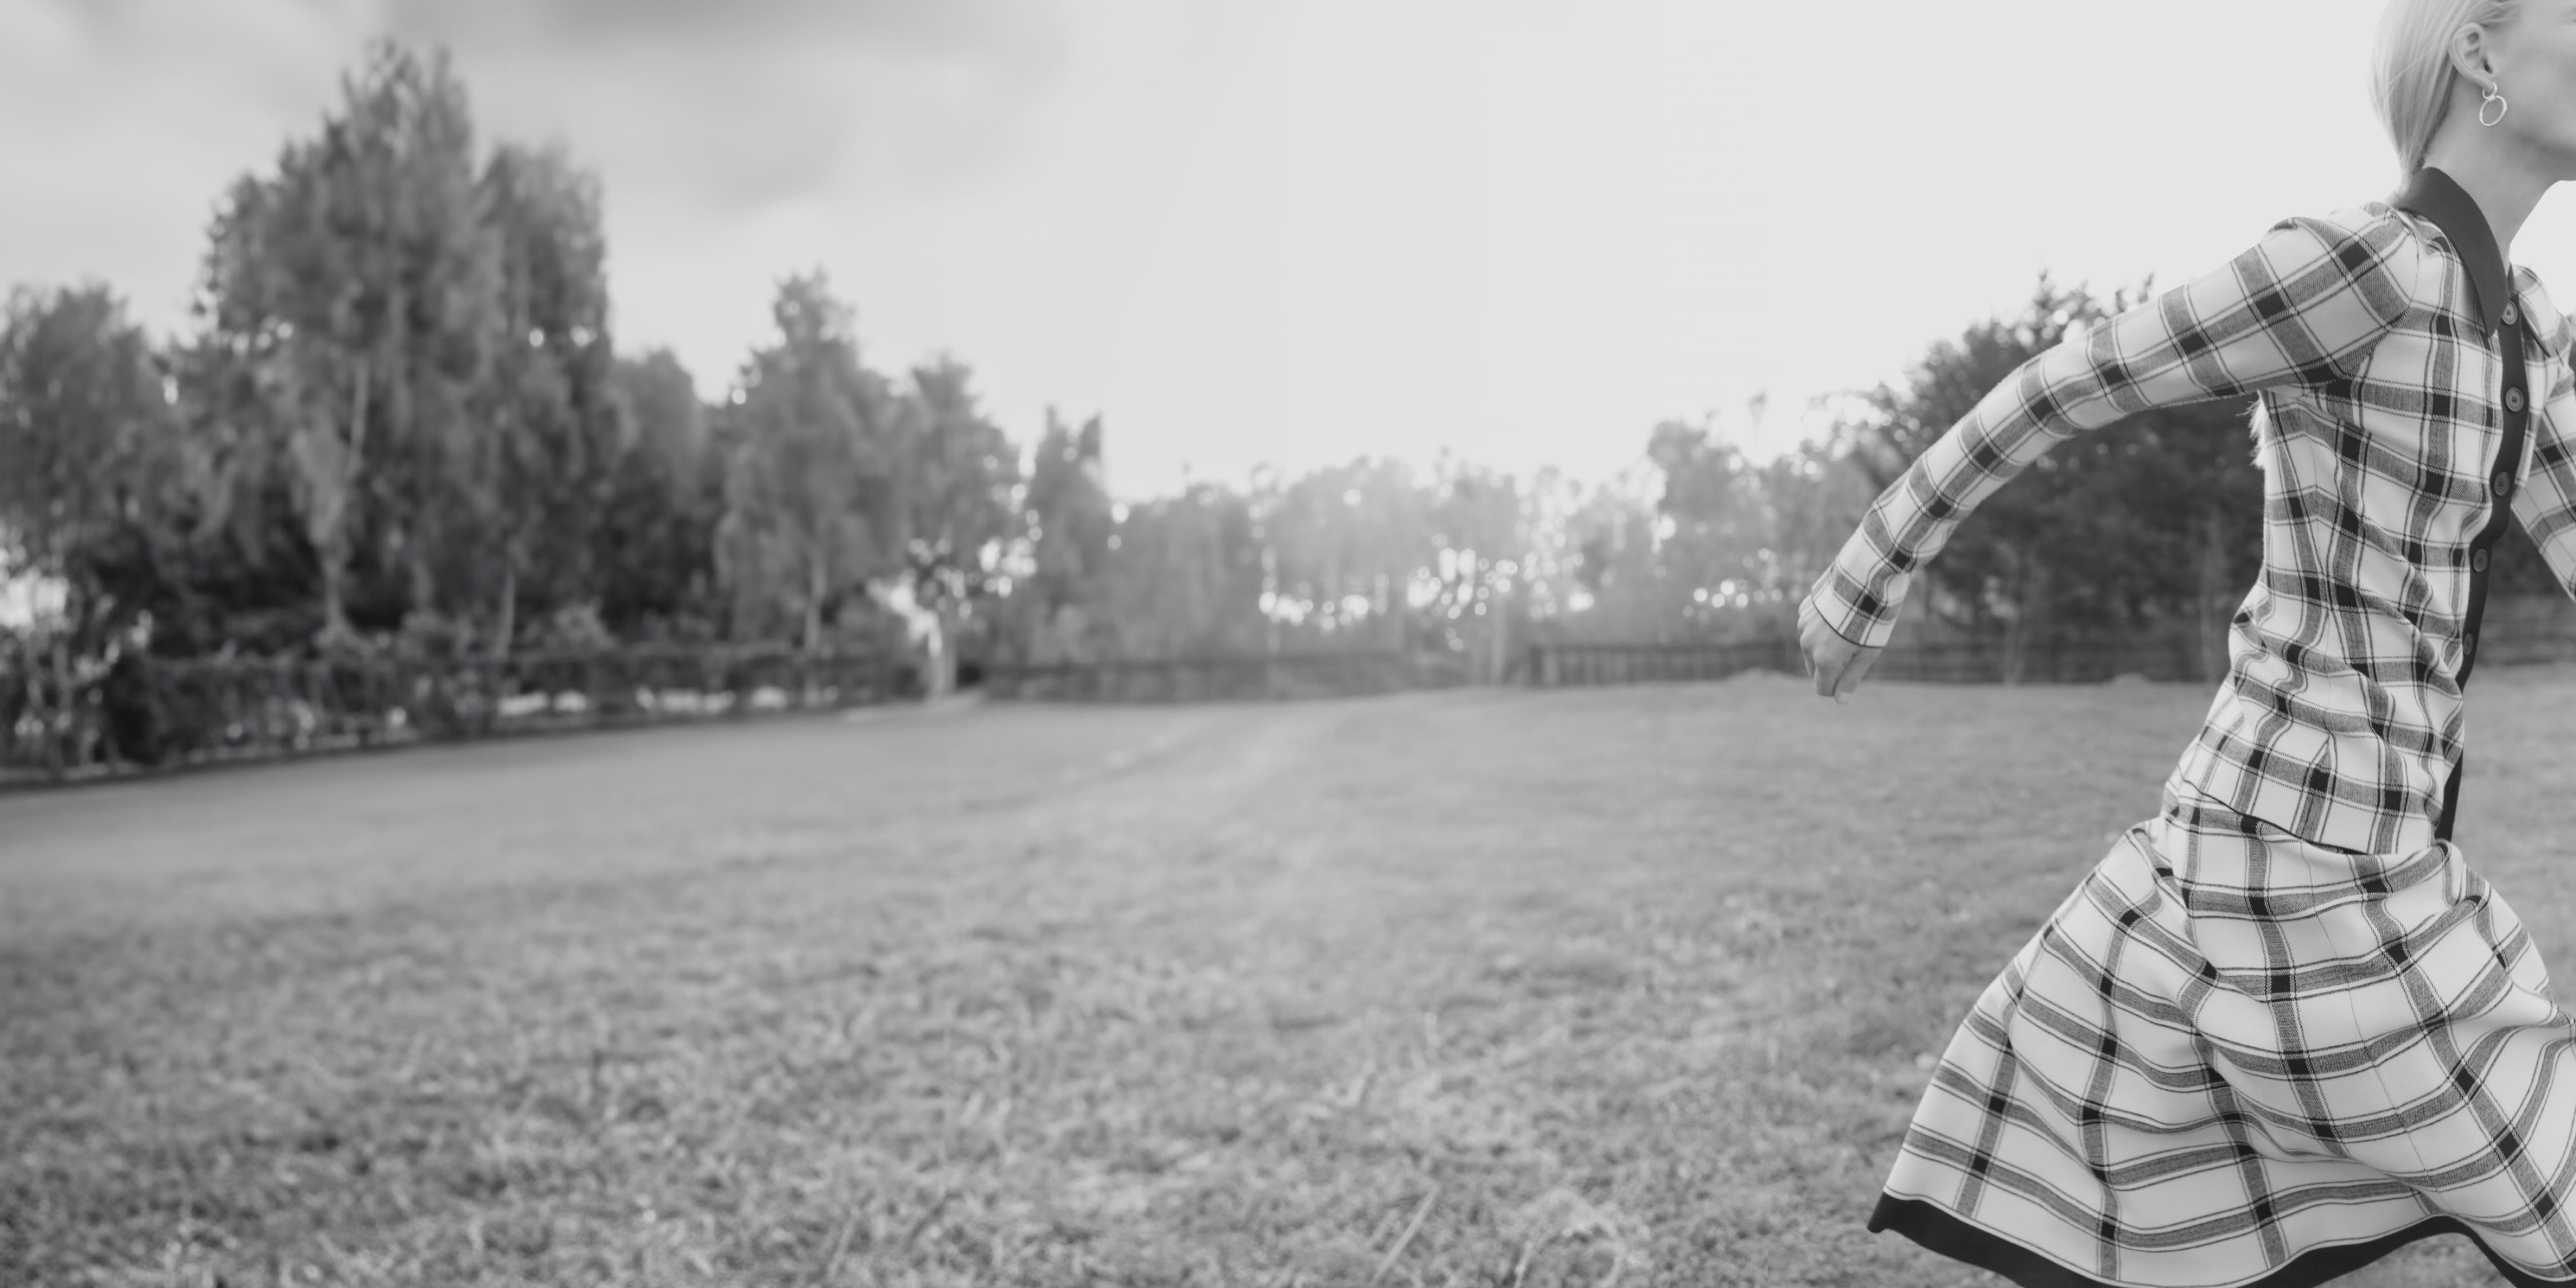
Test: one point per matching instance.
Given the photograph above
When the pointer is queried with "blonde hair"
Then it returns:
(2411, 71)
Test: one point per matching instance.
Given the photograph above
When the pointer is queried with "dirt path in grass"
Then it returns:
(1483, 987)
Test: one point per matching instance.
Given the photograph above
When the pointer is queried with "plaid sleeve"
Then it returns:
(2545, 505)
(2305, 305)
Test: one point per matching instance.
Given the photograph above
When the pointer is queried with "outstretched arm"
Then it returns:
(2303, 306)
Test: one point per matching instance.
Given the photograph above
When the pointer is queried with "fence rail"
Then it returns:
(1563, 665)
(2519, 634)
(1950, 662)
(148, 712)
(1224, 678)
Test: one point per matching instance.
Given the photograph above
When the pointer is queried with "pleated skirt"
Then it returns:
(2233, 1057)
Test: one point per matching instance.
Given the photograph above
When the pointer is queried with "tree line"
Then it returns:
(397, 420)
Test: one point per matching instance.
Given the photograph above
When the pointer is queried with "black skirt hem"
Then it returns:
(1958, 1240)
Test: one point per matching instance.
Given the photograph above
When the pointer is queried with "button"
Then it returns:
(2502, 483)
(2478, 561)
(2468, 645)
(2511, 316)
(2513, 400)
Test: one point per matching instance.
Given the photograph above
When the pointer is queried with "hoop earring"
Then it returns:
(2500, 105)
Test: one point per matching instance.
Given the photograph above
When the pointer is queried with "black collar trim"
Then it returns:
(2440, 198)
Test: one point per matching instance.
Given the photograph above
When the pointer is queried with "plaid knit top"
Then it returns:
(2373, 338)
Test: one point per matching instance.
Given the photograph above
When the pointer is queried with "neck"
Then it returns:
(2491, 169)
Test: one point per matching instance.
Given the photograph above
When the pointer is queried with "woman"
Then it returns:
(2282, 1028)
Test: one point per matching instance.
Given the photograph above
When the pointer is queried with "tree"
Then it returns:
(1616, 580)
(1480, 541)
(1716, 524)
(652, 559)
(229, 565)
(89, 502)
(1347, 541)
(540, 461)
(2171, 526)
(812, 511)
(960, 477)
(1185, 576)
(1550, 556)
(1816, 496)
(84, 419)
(1071, 524)
(358, 287)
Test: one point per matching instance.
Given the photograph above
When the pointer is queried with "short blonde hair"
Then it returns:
(2411, 71)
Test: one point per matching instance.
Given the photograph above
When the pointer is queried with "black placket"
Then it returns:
(2501, 481)
(2438, 197)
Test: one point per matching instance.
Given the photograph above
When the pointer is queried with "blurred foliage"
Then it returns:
(811, 470)
(399, 420)
(356, 295)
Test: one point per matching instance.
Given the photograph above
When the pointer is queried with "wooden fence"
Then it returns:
(147, 712)
(1563, 665)
(1966, 662)
(2518, 631)
(1204, 679)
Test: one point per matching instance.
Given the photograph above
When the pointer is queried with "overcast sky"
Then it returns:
(1291, 231)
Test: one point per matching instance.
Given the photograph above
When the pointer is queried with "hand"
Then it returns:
(1836, 663)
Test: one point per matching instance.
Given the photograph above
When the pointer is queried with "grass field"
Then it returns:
(1478, 988)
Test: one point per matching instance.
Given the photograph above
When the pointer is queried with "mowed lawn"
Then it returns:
(1484, 987)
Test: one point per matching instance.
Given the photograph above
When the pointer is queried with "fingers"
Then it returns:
(1848, 682)
(1817, 653)
(1823, 650)
(1811, 650)
(1832, 670)
(1834, 663)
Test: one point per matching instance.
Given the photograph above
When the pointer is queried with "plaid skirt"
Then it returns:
(2233, 1057)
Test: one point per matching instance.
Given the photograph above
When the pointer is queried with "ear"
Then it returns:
(2471, 56)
